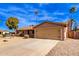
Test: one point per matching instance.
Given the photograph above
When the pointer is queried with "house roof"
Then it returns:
(33, 27)
(4, 31)
(26, 28)
(57, 23)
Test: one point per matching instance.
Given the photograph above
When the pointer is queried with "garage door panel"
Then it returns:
(50, 33)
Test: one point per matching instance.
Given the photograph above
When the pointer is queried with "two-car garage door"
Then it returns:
(48, 33)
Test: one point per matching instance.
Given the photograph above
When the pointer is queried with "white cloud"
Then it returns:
(17, 9)
(45, 16)
(3, 10)
(49, 18)
(13, 11)
(29, 8)
(65, 20)
(22, 21)
(42, 12)
(3, 13)
(58, 13)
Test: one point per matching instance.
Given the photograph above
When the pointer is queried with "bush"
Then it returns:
(26, 36)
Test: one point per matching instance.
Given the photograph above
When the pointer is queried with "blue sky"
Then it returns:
(24, 12)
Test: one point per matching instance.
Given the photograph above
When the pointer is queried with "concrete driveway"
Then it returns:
(26, 47)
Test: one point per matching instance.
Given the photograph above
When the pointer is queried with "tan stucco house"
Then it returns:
(50, 30)
(46, 30)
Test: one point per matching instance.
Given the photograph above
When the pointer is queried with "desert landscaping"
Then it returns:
(18, 46)
(69, 47)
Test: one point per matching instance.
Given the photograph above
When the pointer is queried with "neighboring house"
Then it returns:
(4, 33)
(45, 30)
(1, 31)
(25, 30)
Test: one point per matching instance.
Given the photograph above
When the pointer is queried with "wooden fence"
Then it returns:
(73, 35)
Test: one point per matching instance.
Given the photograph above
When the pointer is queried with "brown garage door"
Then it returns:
(48, 33)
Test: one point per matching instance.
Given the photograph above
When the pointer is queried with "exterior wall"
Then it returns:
(24, 32)
(50, 31)
(69, 28)
(65, 32)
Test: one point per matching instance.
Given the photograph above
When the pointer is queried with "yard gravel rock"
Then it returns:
(68, 47)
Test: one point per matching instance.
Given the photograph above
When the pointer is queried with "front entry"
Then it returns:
(31, 33)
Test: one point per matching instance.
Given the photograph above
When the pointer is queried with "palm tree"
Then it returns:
(74, 24)
(73, 9)
(36, 13)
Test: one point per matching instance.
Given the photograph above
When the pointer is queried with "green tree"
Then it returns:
(12, 23)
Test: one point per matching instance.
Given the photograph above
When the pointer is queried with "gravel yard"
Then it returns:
(68, 47)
